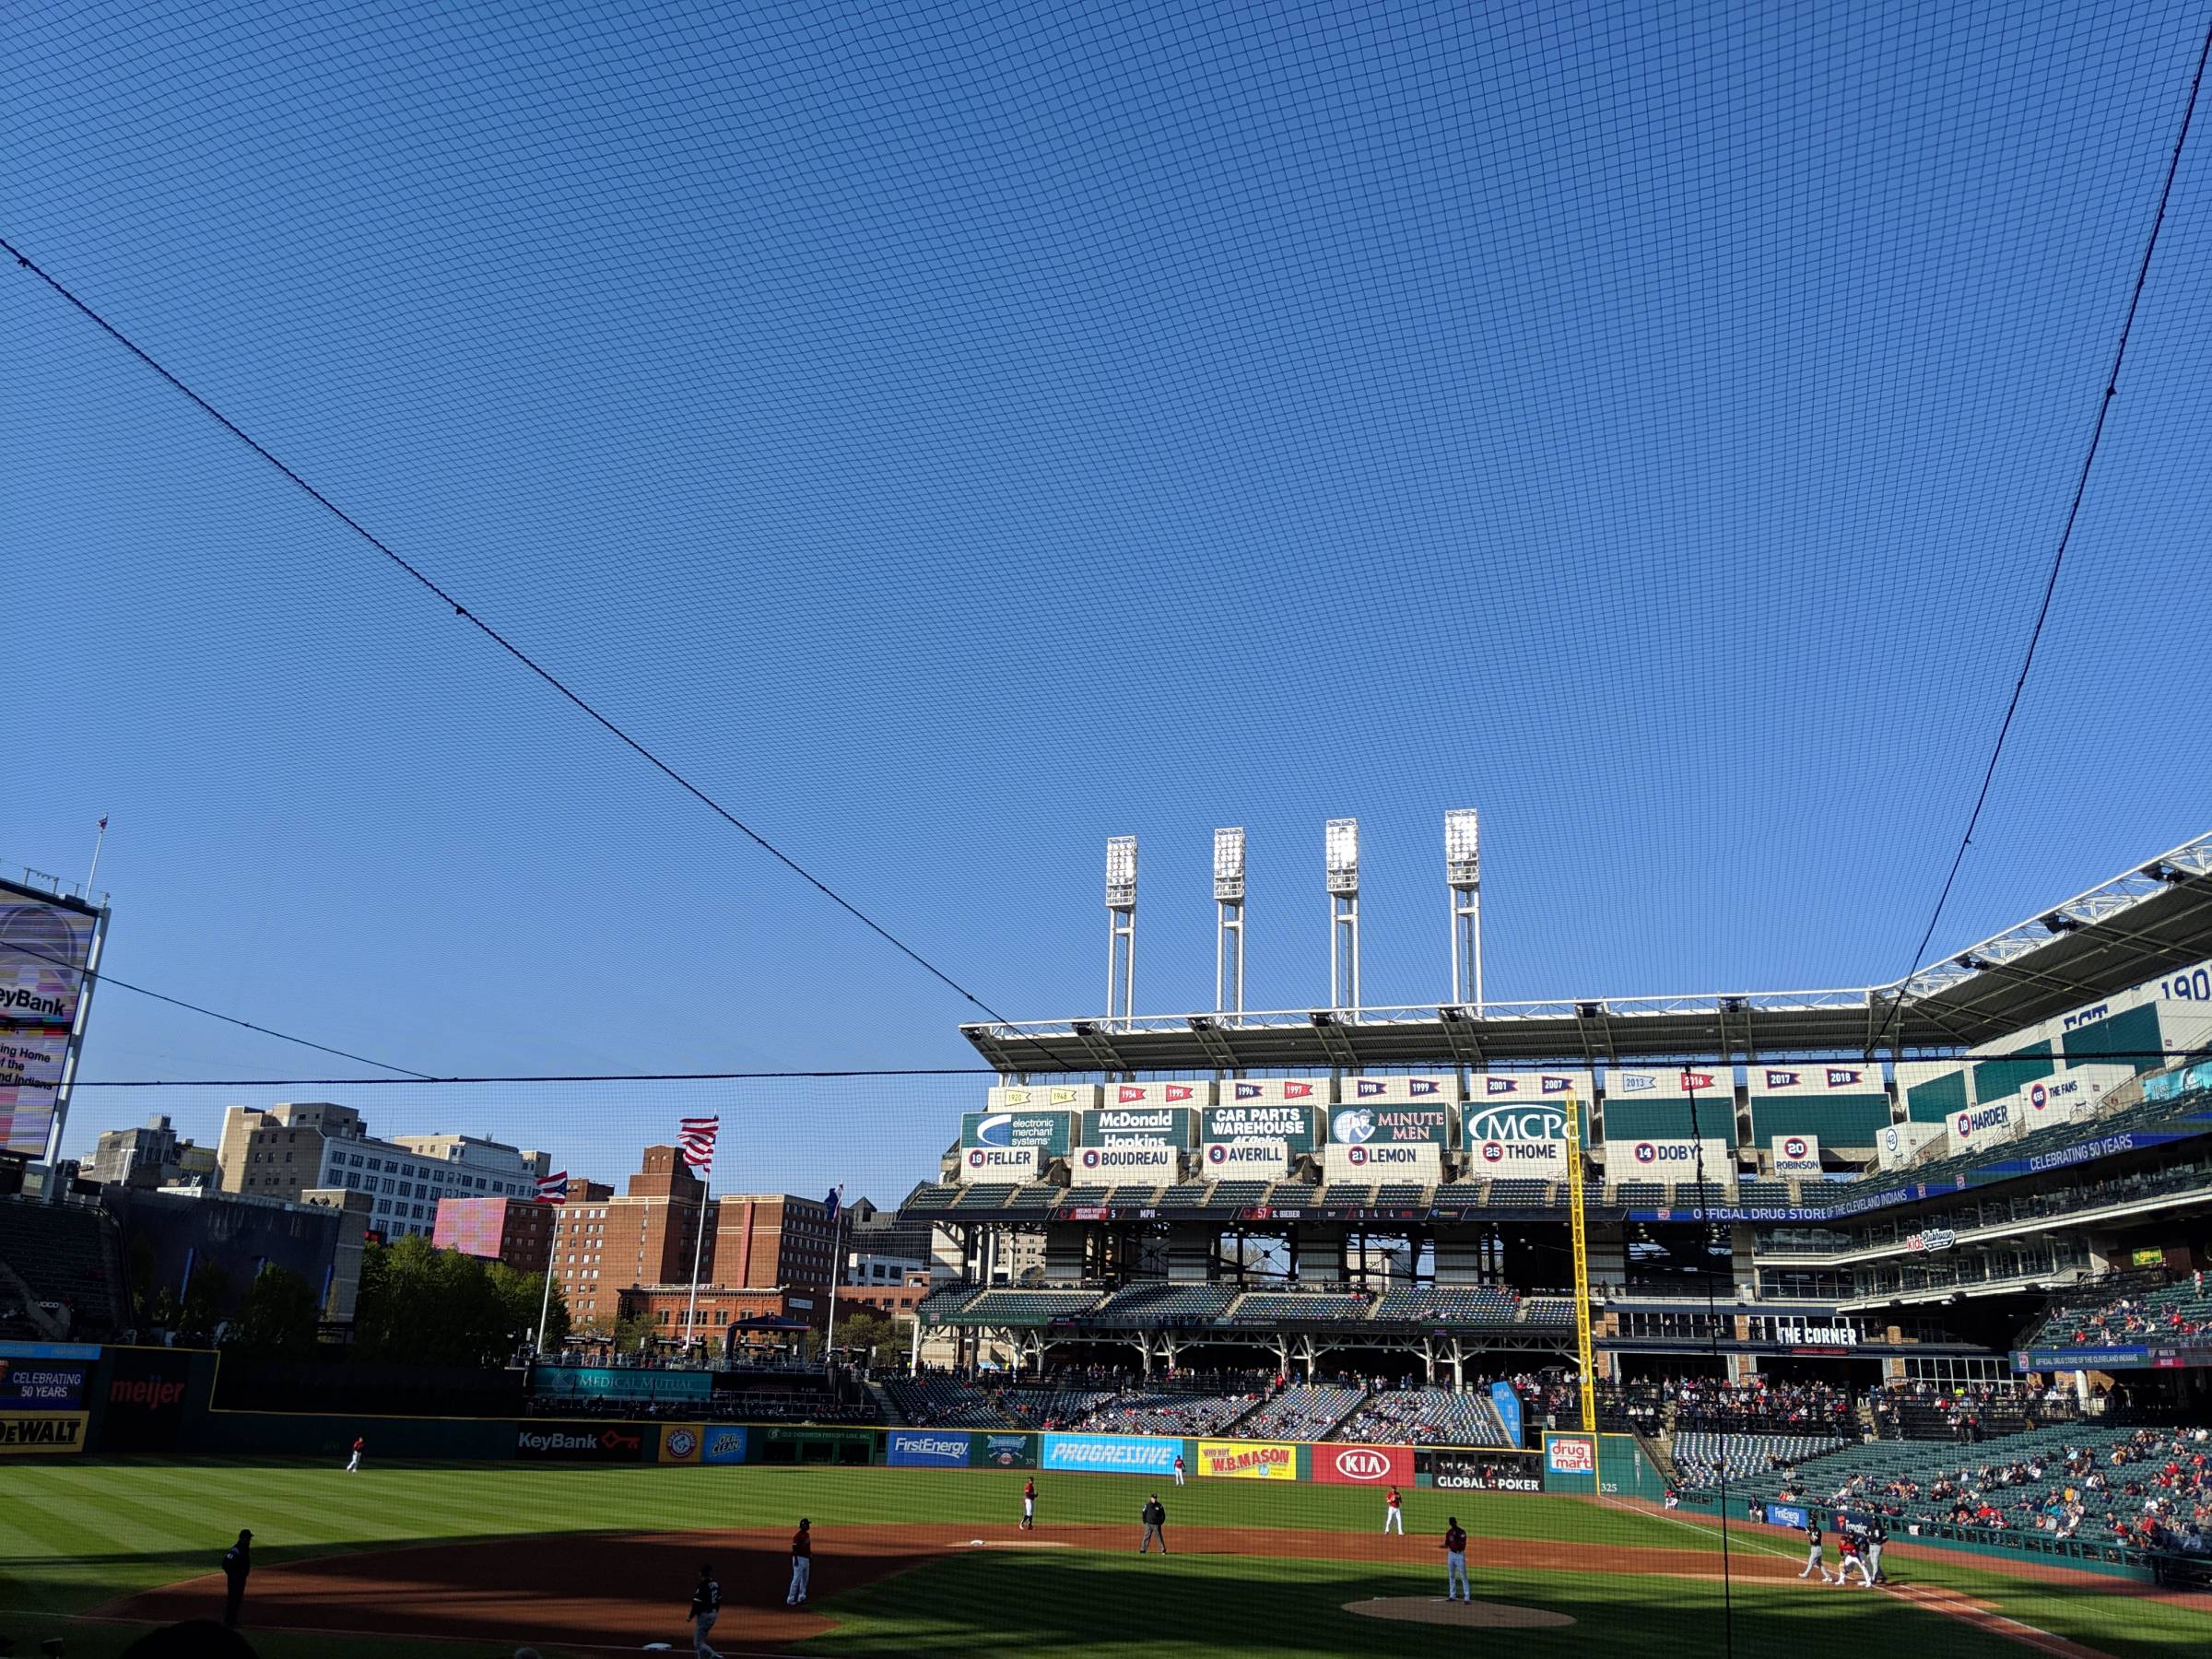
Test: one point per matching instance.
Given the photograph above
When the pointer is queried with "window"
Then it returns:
(376, 1163)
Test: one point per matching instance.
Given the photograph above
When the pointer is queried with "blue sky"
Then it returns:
(955, 435)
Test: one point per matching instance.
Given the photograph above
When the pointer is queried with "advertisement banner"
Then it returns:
(1148, 1165)
(146, 1394)
(1797, 1154)
(580, 1442)
(1142, 1125)
(1672, 1162)
(1482, 1474)
(1051, 1132)
(40, 983)
(990, 1451)
(722, 1443)
(1363, 1466)
(1191, 1095)
(1002, 1163)
(36, 1433)
(624, 1383)
(1053, 1097)
(1436, 1091)
(1519, 1159)
(1571, 1454)
(1982, 1126)
(683, 1442)
(926, 1449)
(1791, 1515)
(1111, 1454)
(1246, 1160)
(42, 1385)
(1507, 1402)
(30, 1078)
(1296, 1127)
(1360, 1165)
(1248, 1460)
(1391, 1124)
(1521, 1112)
(1280, 1091)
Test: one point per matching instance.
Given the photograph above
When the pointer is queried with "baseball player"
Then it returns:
(1028, 1504)
(1179, 1469)
(706, 1607)
(238, 1562)
(1394, 1515)
(1155, 1518)
(1456, 1587)
(802, 1562)
(1849, 1546)
(1876, 1535)
(353, 1464)
(1813, 1561)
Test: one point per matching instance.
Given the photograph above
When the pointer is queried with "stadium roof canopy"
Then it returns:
(2125, 931)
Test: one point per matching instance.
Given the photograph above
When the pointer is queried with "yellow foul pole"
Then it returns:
(1584, 1353)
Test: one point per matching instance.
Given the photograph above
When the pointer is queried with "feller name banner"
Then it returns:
(32, 1433)
(1363, 1466)
(1248, 1460)
(1001, 1163)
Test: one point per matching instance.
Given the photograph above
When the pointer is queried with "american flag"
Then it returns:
(696, 1137)
(553, 1189)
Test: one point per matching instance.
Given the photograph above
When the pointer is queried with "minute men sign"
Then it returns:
(1391, 1123)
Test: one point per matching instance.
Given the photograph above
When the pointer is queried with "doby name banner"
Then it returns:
(1670, 1161)
(1247, 1460)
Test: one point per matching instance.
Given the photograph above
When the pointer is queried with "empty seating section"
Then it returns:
(1303, 1412)
(1167, 1413)
(1188, 1196)
(1766, 1195)
(2092, 1484)
(1294, 1307)
(1022, 1307)
(1134, 1198)
(1165, 1306)
(1701, 1455)
(1241, 1194)
(945, 1300)
(1448, 1304)
(944, 1403)
(1460, 1193)
(67, 1253)
(1291, 1193)
(1084, 1197)
(1520, 1195)
(1035, 1199)
(1344, 1196)
(1052, 1407)
(1425, 1416)
(1553, 1312)
(984, 1195)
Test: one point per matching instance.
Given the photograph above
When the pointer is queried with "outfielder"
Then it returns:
(1028, 1505)
(1178, 1469)
(353, 1465)
(1813, 1561)
(1394, 1515)
(802, 1562)
(1456, 1587)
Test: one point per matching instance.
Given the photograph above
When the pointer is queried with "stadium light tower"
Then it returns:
(1340, 845)
(1228, 920)
(1121, 920)
(1463, 874)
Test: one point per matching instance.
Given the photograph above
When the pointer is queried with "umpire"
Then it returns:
(1156, 1520)
(237, 1560)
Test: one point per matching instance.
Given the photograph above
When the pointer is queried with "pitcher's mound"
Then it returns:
(1435, 1609)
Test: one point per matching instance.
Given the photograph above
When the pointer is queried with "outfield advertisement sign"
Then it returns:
(926, 1449)
(1147, 1165)
(988, 1451)
(722, 1443)
(1791, 1515)
(41, 1386)
(1571, 1454)
(1363, 1466)
(1480, 1474)
(1140, 1125)
(631, 1383)
(1246, 1160)
(1293, 1123)
(1052, 1133)
(41, 1433)
(1248, 1460)
(1392, 1123)
(581, 1442)
(682, 1443)
(145, 1399)
(1111, 1454)
(1506, 1400)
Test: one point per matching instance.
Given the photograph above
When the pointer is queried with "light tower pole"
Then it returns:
(1228, 920)
(1463, 874)
(1340, 845)
(1120, 919)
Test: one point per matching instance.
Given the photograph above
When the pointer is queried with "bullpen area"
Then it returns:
(426, 1559)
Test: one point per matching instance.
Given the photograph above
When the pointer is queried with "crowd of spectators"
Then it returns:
(1971, 1412)
(2177, 1313)
(1425, 1416)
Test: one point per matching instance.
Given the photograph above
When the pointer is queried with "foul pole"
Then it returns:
(1583, 1352)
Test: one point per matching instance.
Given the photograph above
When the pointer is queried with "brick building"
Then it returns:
(899, 1300)
(765, 1241)
(604, 1244)
(518, 1231)
(662, 1307)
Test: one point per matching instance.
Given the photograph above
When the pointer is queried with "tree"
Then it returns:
(276, 1316)
(434, 1307)
(520, 1295)
(206, 1301)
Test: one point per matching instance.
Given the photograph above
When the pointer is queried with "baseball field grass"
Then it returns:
(420, 1561)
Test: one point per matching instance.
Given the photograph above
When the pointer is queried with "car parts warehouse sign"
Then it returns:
(1111, 1454)
(1260, 1120)
(1248, 1460)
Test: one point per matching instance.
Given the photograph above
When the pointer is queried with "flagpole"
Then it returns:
(698, 1244)
(544, 1305)
(93, 875)
(837, 1233)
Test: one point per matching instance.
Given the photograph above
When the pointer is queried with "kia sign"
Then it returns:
(580, 1442)
(1363, 1466)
